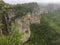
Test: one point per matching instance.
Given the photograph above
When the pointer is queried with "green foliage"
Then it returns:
(53, 20)
(13, 38)
(20, 10)
(42, 34)
(23, 9)
(47, 31)
(3, 13)
(3, 7)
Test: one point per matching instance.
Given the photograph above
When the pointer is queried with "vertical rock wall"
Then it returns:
(35, 16)
(24, 24)
(25, 21)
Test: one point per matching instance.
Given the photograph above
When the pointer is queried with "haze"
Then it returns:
(27, 1)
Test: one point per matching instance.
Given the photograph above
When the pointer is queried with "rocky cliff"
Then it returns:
(25, 21)
(22, 17)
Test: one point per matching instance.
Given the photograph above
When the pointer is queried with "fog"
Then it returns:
(27, 1)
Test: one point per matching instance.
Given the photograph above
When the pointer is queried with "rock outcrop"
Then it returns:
(25, 21)
(6, 15)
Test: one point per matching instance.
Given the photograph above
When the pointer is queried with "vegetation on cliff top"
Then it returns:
(23, 9)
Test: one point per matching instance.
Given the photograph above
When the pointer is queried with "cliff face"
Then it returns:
(24, 26)
(5, 17)
(10, 14)
(35, 16)
(25, 21)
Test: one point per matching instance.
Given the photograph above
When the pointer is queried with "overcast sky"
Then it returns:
(27, 1)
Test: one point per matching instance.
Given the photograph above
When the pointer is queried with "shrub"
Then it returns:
(13, 38)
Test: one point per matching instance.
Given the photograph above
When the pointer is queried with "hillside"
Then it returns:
(16, 20)
(29, 24)
(54, 22)
(31, 16)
